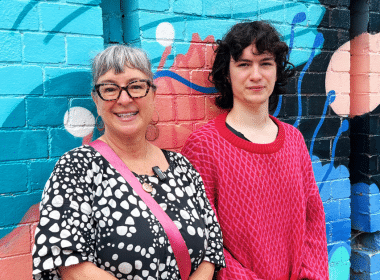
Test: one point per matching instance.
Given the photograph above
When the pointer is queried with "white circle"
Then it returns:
(165, 34)
(79, 121)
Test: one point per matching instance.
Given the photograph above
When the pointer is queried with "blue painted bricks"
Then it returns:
(29, 144)
(37, 49)
(20, 79)
(365, 207)
(12, 182)
(11, 47)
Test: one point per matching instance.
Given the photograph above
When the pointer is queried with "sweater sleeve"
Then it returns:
(315, 257)
(196, 153)
(235, 270)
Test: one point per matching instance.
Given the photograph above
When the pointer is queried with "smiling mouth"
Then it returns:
(127, 114)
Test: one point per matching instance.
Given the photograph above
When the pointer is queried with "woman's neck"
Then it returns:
(131, 148)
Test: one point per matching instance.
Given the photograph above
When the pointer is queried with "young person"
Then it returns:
(256, 169)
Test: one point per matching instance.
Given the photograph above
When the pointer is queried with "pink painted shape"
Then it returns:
(16, 248)
(363, 80)
(338, 79)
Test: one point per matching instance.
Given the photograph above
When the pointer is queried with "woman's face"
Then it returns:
(125, 116)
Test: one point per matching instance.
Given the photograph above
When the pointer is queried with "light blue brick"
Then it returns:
(324, 190)
(341, 188)
(339, 261)
(345, 208)
(87, 103)
(80, 50)
(16, 145)
(131, 26)
(40, 172)
(86, 2)
(71, 18)
(242, 10)
(67, 82)
(113, 6)
(20, 80)
(341, 230)
(21, 15)
(62, 141)
(272, 11)
(217, 8)
(152, 48)
(12, 112)
(10, 47)
(366, 203)
(13, 178)
(46, 111)
(115, 29)
(188, 7)
(153, 5)
(216, 27)
(365, 261)
(149, 22)
(19, 204)
(331, 210)
(38, 49)
(328, 232)
(365, 222)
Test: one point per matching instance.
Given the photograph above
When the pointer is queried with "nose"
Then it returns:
(255, 72)
(124, 97)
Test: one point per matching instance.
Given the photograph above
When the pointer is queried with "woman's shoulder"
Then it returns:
(83, 155)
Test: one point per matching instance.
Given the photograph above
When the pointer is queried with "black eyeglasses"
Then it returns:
(135, 89)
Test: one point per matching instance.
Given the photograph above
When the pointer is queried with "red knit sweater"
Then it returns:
(266, 200)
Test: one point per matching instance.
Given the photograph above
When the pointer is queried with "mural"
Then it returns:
(52, 111)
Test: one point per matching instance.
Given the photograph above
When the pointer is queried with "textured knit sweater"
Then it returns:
(266, 200)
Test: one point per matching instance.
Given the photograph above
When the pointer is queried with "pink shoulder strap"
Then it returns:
(180, 250)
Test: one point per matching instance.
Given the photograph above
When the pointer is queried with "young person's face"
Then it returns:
(253, 77)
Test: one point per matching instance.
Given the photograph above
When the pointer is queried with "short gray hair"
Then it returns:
(116, 57)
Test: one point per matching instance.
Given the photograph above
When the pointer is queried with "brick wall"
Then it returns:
(44, 73)
(46, 106)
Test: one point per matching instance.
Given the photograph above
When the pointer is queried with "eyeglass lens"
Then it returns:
(135, 89)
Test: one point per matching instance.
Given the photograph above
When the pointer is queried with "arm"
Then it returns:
(205, 271)
(59, 240)
(315, 257)
(84, 271)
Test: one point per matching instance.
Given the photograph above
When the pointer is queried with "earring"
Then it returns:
(152, 131)
(99, 123)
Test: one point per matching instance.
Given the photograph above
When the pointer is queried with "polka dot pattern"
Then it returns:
(90, 213)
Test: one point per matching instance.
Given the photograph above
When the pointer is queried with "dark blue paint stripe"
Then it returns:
(170, 74)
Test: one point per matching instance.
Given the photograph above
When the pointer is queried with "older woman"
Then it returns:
(92, 224)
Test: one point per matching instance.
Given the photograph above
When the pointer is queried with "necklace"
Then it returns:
(145, 185)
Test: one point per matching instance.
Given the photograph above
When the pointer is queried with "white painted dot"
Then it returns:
(79, 121)
(165, 34)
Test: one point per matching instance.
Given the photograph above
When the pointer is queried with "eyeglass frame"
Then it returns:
(149, 83)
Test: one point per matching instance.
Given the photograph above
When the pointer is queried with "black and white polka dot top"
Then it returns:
(90, 213)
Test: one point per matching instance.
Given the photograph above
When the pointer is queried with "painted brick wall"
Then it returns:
(365, 51)
(44, 74)
(46, 107)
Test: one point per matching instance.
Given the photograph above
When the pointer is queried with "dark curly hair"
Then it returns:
(240, 36)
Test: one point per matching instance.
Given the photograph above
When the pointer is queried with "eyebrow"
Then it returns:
(268, 58)
(110, 81)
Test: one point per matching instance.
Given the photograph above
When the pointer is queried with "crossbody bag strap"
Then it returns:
(179, 247)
